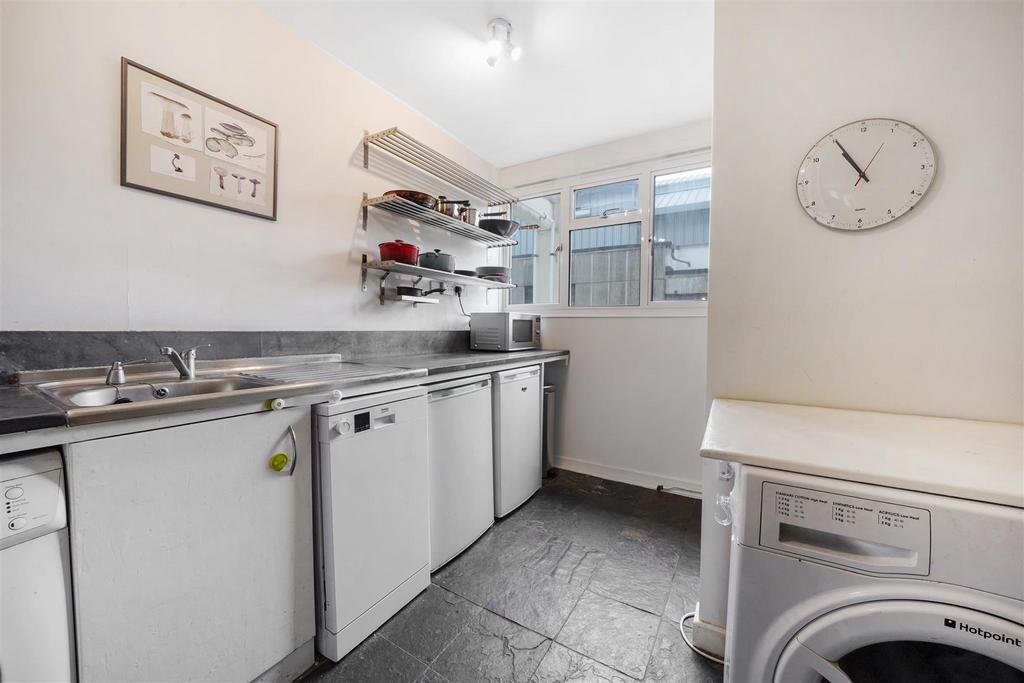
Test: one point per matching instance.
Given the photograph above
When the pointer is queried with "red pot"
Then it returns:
(399, 251)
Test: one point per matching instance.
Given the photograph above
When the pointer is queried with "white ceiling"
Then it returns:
(591, 72)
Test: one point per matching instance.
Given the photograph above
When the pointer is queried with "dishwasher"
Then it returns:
(371, 513)
(461, 465)
(518, 462)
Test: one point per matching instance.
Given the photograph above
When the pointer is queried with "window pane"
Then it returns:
(604, 266)
(534, 259)
(614, 198)
(681, 229)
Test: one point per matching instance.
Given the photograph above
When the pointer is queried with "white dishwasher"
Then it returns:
(371, 510)
(461, 474)
(518, 410)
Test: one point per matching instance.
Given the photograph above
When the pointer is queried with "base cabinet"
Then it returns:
(193, 557)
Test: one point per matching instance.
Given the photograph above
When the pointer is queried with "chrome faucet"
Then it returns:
(185, 362)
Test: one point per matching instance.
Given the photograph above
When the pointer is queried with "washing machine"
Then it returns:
(847, 582)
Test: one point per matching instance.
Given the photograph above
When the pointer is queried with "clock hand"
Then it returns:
(846, 155)
(869, 164)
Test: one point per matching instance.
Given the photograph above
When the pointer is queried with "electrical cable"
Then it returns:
(458, 294)
(689, 643)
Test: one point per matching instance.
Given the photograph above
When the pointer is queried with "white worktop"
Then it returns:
(962, 458)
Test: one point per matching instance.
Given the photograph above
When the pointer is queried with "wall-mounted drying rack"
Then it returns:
(388, 268)
(414, 152)
(404, 207)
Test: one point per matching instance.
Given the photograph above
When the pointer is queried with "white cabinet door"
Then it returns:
(192, 558)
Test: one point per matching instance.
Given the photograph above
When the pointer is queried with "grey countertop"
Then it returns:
(24, 409)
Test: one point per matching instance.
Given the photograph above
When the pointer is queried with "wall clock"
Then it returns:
(865, 174)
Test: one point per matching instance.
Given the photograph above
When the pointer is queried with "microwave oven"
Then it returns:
(504, 331)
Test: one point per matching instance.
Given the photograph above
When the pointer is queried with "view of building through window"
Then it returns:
(680, 241)
(604, 266)
(535, 258)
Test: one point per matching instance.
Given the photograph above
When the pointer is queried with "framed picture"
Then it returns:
(181, 142)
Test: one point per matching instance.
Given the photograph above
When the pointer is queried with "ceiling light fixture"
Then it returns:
(500, 42)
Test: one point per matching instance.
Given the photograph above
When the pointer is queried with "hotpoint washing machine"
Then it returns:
(847, 582)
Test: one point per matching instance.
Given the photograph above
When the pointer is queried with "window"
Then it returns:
(604, 200)
(604, 266)
(679, 248)
(534, 260)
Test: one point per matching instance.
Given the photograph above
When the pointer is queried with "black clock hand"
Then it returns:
(846, 155)
(869, 164)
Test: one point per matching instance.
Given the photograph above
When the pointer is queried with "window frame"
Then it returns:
(507, 253)
(644, 172)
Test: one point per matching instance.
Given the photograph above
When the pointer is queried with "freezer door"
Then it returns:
(517, 438)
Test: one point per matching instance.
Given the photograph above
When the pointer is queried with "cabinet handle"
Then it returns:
(295, 450)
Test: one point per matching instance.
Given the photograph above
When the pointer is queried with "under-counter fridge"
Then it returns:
(518, 411)
(461, 465)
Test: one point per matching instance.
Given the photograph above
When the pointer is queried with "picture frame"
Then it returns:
(181, 142)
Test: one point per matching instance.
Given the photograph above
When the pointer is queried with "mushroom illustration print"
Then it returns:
(255, 182)
(186, 128)
(239, 178)
(176, 163)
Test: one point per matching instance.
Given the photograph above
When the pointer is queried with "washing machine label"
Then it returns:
(860, 533)
(982, 633)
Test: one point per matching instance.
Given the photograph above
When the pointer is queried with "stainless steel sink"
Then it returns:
(94, 395)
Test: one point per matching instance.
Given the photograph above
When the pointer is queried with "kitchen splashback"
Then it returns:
(38, 350)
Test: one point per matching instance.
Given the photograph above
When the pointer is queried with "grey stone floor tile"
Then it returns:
(566, 560)
(682, 597)
(375, 660)
(672, 661)
(562, 665)
(493, 649)
(431, 676)
(539, 602)
(427, 624)
(641, 580)
(617, 635)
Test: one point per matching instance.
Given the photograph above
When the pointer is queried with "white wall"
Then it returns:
(922, 316)
(633, 404)
(81, 252)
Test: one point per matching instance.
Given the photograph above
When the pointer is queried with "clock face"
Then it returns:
(865, 174)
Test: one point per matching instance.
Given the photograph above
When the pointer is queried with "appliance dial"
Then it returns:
(17, 523)
(14, 493)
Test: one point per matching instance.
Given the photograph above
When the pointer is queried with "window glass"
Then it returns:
(603, 200)
(604, 266)
(681, 231)
(535, 258)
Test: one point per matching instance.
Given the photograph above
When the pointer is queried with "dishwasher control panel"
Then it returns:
(33, 497)
(860, 533)
(348, 425)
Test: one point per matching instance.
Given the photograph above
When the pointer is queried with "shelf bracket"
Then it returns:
(364, 269)
(365, 209)
(383, 280)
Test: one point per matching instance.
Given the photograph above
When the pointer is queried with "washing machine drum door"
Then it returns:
(904, 641)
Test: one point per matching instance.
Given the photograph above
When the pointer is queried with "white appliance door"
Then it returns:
(373, 498)
(517, 438)
(461, 467)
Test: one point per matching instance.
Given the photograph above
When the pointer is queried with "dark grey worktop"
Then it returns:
(23, 409)
(439, 363)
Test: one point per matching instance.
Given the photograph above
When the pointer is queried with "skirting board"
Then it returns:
(629, 476)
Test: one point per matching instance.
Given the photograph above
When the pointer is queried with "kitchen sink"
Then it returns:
(95, 395)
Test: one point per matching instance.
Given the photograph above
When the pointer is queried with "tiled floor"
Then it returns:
(585, 583)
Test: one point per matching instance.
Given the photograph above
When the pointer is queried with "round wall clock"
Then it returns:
(865, 174)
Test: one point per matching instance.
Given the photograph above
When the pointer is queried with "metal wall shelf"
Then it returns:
(404, 207)
(388, 267)
(414, 152)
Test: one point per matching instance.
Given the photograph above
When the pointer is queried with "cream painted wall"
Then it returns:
(922, 316)
(81, 252)
(632, 405)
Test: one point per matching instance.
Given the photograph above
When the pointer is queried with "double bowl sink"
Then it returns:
(95, 395)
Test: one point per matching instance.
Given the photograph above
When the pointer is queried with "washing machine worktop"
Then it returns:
(968, 459)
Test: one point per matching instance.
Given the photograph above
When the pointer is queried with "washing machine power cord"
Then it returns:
(689, 643)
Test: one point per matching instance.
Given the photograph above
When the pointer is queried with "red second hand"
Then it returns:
(869, 164)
